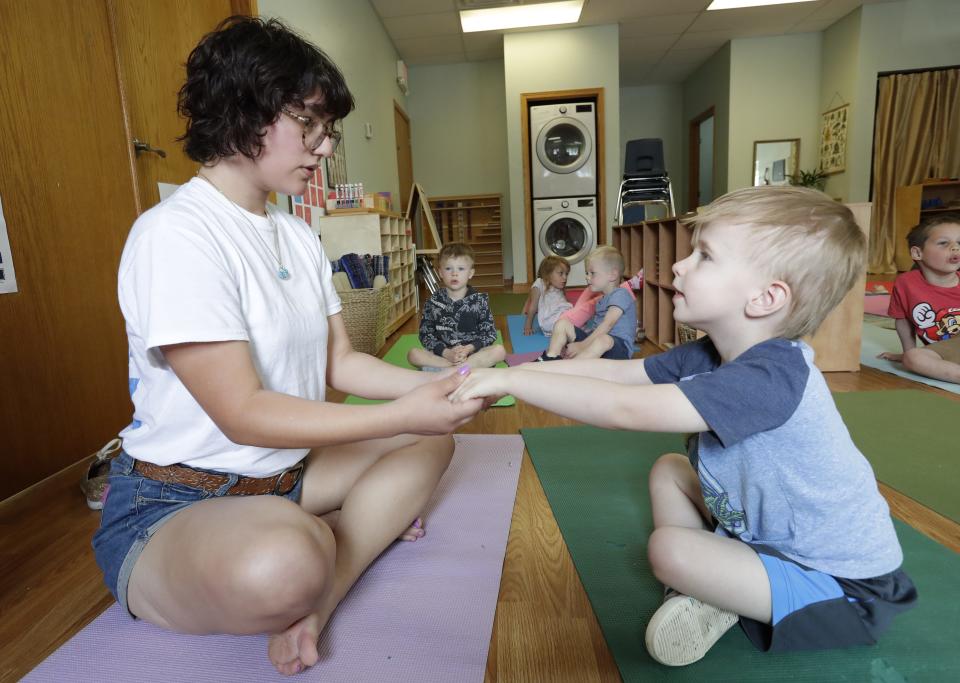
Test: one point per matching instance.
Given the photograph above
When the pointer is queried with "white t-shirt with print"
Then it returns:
(193, 270)
(552, 304)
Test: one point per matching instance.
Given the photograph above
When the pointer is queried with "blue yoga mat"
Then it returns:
(522, 343)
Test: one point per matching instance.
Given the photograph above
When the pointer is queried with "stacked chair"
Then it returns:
(646, 183)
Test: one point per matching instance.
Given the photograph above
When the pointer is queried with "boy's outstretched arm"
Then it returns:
(620, 371)
(653, 408)
(907, 340)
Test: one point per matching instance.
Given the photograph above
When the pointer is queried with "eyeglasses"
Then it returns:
(315, 131)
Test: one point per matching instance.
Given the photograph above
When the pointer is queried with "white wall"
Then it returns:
(458, 125)
(709, 86)
(351, 33)
(774, 95)
(912, 34)
(655, 111)
(559, 60)
(839, 65)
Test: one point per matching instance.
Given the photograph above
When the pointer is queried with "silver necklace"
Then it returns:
(282, 271)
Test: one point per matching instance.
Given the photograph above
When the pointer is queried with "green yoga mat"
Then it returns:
(906, 436)
(596, 483)
(506, 303)
(397, 355)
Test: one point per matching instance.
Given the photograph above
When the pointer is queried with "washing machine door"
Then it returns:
(563, 145)
(568, 235)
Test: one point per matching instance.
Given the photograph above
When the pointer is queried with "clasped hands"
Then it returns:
(458, 354)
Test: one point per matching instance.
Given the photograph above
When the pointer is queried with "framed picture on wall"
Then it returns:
(337, 164)
(833, 140)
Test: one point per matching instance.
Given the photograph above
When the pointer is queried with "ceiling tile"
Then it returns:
(484, 40)
(673, 73)
(698, 56)
(420, 25)
(641, 57)
(656, 26)
(613, 11)
(649, 43)
(714, 39)
(435, 45)
(633, 75)
(398, 8)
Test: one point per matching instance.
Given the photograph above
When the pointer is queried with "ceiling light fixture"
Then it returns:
(521, 16)
(735, 4)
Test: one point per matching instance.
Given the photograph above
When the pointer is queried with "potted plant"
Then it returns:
(816, 179)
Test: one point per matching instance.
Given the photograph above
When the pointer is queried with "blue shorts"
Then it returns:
(814, 611)
(620, 350)
(134, 508)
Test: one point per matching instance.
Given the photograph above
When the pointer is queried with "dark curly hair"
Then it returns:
(238, 78)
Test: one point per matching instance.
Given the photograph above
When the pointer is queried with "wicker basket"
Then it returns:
(365, 313)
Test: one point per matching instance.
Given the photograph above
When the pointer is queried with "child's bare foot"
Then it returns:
(412, 533)
(295, 649)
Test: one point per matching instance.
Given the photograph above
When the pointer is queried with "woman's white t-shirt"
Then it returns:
(193, 270)
(551, 305)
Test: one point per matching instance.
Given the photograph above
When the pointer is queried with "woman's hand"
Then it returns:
(430, 410)
(483, 383)
(895, 357)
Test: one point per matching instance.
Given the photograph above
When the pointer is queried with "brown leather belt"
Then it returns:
(279, 484)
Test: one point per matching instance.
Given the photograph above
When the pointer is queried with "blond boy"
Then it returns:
(456, 326)
(611, 331)
(773, 519)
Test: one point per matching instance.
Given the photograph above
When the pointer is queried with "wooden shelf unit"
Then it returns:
(655, 246)
(909, 211)
(475, 220)
(375, 232)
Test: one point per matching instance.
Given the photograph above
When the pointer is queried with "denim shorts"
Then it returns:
(134, 508)
(620, 350)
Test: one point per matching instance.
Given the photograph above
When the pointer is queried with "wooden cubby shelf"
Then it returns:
(655, 246)
(376, 232)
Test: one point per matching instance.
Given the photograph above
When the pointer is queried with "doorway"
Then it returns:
(701, 182)
(401, 124)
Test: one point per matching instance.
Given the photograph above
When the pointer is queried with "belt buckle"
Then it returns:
(298, 468)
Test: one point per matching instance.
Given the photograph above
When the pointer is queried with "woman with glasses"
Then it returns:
(242, 501)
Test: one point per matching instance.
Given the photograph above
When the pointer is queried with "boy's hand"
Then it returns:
(887, 355)
(430, 409)
(527, 330)
(450, 354)
(482, 383)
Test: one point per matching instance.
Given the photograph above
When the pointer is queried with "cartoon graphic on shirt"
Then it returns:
(718, 502)
(934, 326)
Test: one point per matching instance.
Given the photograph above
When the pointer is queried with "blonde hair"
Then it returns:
(800, 236)
(550, 264)
(455, 250)
(609, 257)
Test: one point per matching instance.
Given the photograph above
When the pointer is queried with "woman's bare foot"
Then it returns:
(295, 649)
(414, 532)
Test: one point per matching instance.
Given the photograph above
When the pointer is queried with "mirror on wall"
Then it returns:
(774, 161)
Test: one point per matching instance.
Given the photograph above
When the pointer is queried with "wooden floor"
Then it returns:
(544, 630)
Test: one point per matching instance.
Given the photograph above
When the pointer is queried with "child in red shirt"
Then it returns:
(926, 301)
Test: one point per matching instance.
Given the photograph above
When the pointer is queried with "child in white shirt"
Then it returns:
(548, 300)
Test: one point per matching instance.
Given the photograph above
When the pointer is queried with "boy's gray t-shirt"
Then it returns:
(778, 467)
(626, 326)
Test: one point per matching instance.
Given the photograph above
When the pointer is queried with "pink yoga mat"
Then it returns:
(876, 304)
(520, 358)
(422, 612)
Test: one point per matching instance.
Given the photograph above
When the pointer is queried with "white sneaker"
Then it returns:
(684, 628)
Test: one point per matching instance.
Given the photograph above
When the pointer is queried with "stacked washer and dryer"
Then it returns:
(563, 166)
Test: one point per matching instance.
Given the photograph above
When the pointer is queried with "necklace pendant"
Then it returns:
(283, 273)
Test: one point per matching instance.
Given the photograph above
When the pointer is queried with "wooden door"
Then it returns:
(404, 156)
(66, 187)
(153, 39)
